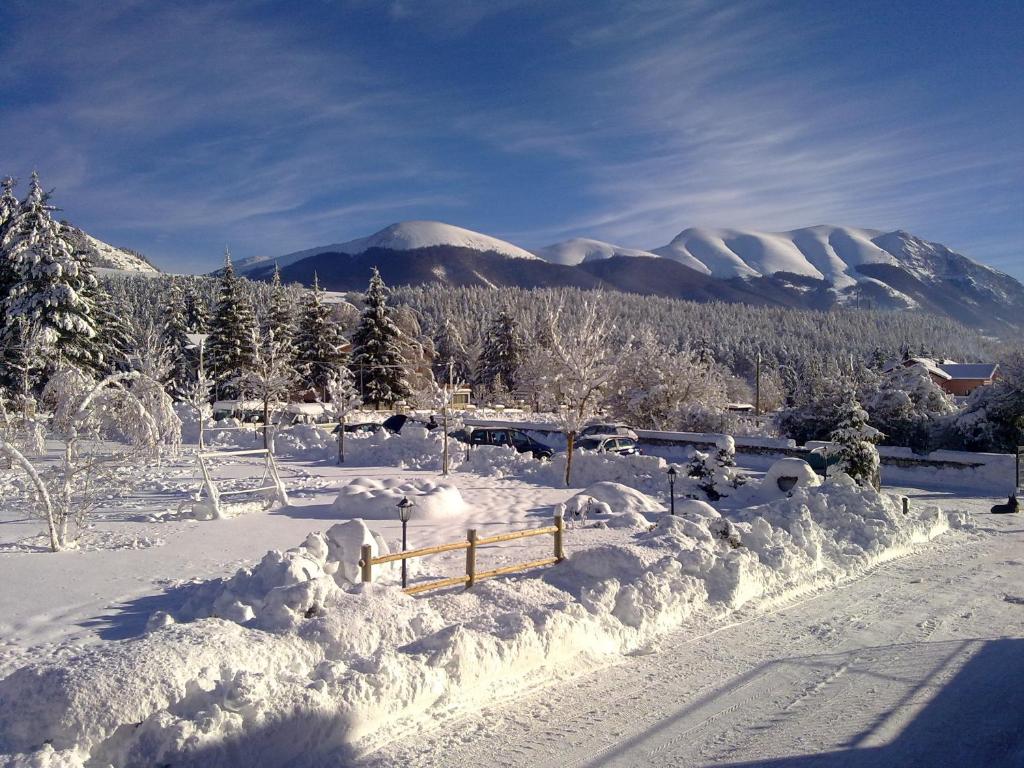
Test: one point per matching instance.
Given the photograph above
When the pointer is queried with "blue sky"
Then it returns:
(177, 128)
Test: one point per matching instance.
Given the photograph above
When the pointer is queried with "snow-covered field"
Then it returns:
(170, 640)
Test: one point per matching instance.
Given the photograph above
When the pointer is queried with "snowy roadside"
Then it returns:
(914, 662)
(321, 666)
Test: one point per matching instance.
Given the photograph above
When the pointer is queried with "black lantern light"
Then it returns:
(404, 513)
(672, 472)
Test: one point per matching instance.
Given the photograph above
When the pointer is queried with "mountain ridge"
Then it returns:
(818, 267)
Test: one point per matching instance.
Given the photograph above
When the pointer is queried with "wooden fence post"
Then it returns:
(560, 530)
(906, 505)
(471, 558)
(366, 563)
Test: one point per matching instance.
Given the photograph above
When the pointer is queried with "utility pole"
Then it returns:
(447, 396)
(757, 386)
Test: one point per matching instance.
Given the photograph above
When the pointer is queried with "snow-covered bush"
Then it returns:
(715, 472)
(83, 413)
(906, 405)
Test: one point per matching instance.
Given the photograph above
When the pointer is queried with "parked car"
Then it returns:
(368, 427)
(624, 446)
(608, 428)
(518, 439)
(821, 462)
(396, 423)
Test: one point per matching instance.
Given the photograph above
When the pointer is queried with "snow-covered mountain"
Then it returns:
(814, 267)
(581, 249)
(824, 253)
(402, 236)
(108, 257)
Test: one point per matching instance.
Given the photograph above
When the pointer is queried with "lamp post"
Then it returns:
(404, 513)
(672, 472)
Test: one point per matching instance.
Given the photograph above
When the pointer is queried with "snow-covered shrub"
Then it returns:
(715, 472)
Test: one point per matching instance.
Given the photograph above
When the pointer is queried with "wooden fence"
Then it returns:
(472, 542)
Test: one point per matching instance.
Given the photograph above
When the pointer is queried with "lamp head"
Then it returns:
(672, 472)
(405, 509)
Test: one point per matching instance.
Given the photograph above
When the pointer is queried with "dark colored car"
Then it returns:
(518, 439)
(396, 423)
(821, 462)
(368, 427)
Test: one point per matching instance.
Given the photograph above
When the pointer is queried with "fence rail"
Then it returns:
(472, 542)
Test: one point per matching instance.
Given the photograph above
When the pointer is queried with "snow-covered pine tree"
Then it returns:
(318, 342)
(197, 309)
(114, 320)
(377, 361)
(9, 206)
(229, 349)
(8, 202)
(175, 335)
(451, 360)
(279, 326)
(853, 442)
(503, 351)
(53, 291)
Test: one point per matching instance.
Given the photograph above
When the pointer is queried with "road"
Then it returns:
(919, 662)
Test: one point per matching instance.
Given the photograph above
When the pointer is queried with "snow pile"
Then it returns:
(613, 504)
(499, 461)
(308, 442)
(377, 499)
(786, 474)
(335, 668)
(285, 587)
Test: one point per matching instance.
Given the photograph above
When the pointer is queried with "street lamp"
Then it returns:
(672, 472)
(404, 513)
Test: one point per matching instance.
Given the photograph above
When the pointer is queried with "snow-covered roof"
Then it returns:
(308, 409)
(239, 405)
(971, 370)
(927, 363)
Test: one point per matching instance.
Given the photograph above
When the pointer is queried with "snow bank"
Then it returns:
(335, 668)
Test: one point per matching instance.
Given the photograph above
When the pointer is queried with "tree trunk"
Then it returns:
(570, 440)
(341, 439)
(266, 421)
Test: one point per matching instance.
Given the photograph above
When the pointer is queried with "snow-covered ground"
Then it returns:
(305, 668)
(916, 662)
